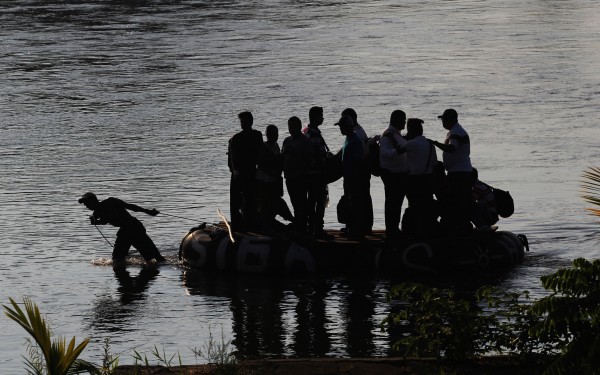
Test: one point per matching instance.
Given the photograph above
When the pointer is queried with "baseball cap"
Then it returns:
(449, 113)
(87, 197)
(345, 120)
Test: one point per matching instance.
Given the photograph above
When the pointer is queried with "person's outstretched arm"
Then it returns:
(136, 208)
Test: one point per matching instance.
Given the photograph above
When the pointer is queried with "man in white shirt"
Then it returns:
(394, 171)
(421, 158)
(457, 161)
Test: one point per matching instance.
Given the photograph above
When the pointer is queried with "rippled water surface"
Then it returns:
(137, 99)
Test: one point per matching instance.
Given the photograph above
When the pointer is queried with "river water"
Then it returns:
(137, 99)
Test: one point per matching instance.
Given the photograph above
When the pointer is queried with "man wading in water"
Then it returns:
(113, 211)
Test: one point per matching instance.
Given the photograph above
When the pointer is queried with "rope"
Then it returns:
(180, 217)
(227, 224)
(103, 236)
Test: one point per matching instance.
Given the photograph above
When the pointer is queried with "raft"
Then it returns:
(210, 248)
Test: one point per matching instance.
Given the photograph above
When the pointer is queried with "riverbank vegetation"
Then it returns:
(560, 332)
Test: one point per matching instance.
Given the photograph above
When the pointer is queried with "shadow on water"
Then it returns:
(114, 314)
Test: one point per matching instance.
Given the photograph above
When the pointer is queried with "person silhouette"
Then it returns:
(297, 149)
(317, 179)
(353, 169)
(131, 232)
(269, 184)
(243, 152)
(456, 155)
(365, 179)
(394, 172)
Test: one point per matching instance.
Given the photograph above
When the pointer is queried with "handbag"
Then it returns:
(343, 208)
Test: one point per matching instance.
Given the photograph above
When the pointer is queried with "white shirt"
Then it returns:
(389, 158)
(459, 160)
(421, 156)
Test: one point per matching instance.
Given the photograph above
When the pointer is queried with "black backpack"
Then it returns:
(504, 203)
(372, 158)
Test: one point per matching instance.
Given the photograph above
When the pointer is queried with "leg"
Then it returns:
(249, 206)
(122, 245)
(235, 204)
(364, 203)
(317, 195)
(146, 247)
(368, 205)
(461, 200)
(394, 197)
(352, 191)
(297, 190)
(283, 210)
(420, 200)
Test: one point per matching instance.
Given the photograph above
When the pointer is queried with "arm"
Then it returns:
(389, 147)
(444, 147)
(136, 208)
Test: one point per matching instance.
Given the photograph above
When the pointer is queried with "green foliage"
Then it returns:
(591, 188)
(162, 358)
(563, 328)
(220, 354)
(55, 357)
(510, 317)
(110, 362)
(439, 324)
(571, 318)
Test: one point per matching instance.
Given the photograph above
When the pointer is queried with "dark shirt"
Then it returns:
(243, 152)
(352, 156)
(297, 153)
(113, 211)
(270, 159)
(318, 148)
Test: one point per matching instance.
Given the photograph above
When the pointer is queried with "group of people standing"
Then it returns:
(407, 164)
(256, 176)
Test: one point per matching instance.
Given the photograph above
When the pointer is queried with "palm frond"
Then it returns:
(60, 357)
(591, 188)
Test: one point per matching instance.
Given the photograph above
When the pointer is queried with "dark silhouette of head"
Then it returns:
(89, 200)
(246, 120)
(272, 133)
(449, 118)
(315, 116)
(295, 126)
(414, 128)
(398, 119)
(352, 114)
(346, 125)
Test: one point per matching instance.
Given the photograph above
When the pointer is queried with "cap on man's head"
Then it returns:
(345, 121)
(450, 113)
(89, 196)
(350, 112)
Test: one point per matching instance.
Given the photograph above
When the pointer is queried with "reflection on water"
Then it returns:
(274, 317)
(317, 317)
(115, 314)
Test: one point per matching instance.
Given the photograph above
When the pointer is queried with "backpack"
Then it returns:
(372, 157)
(504, 203)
